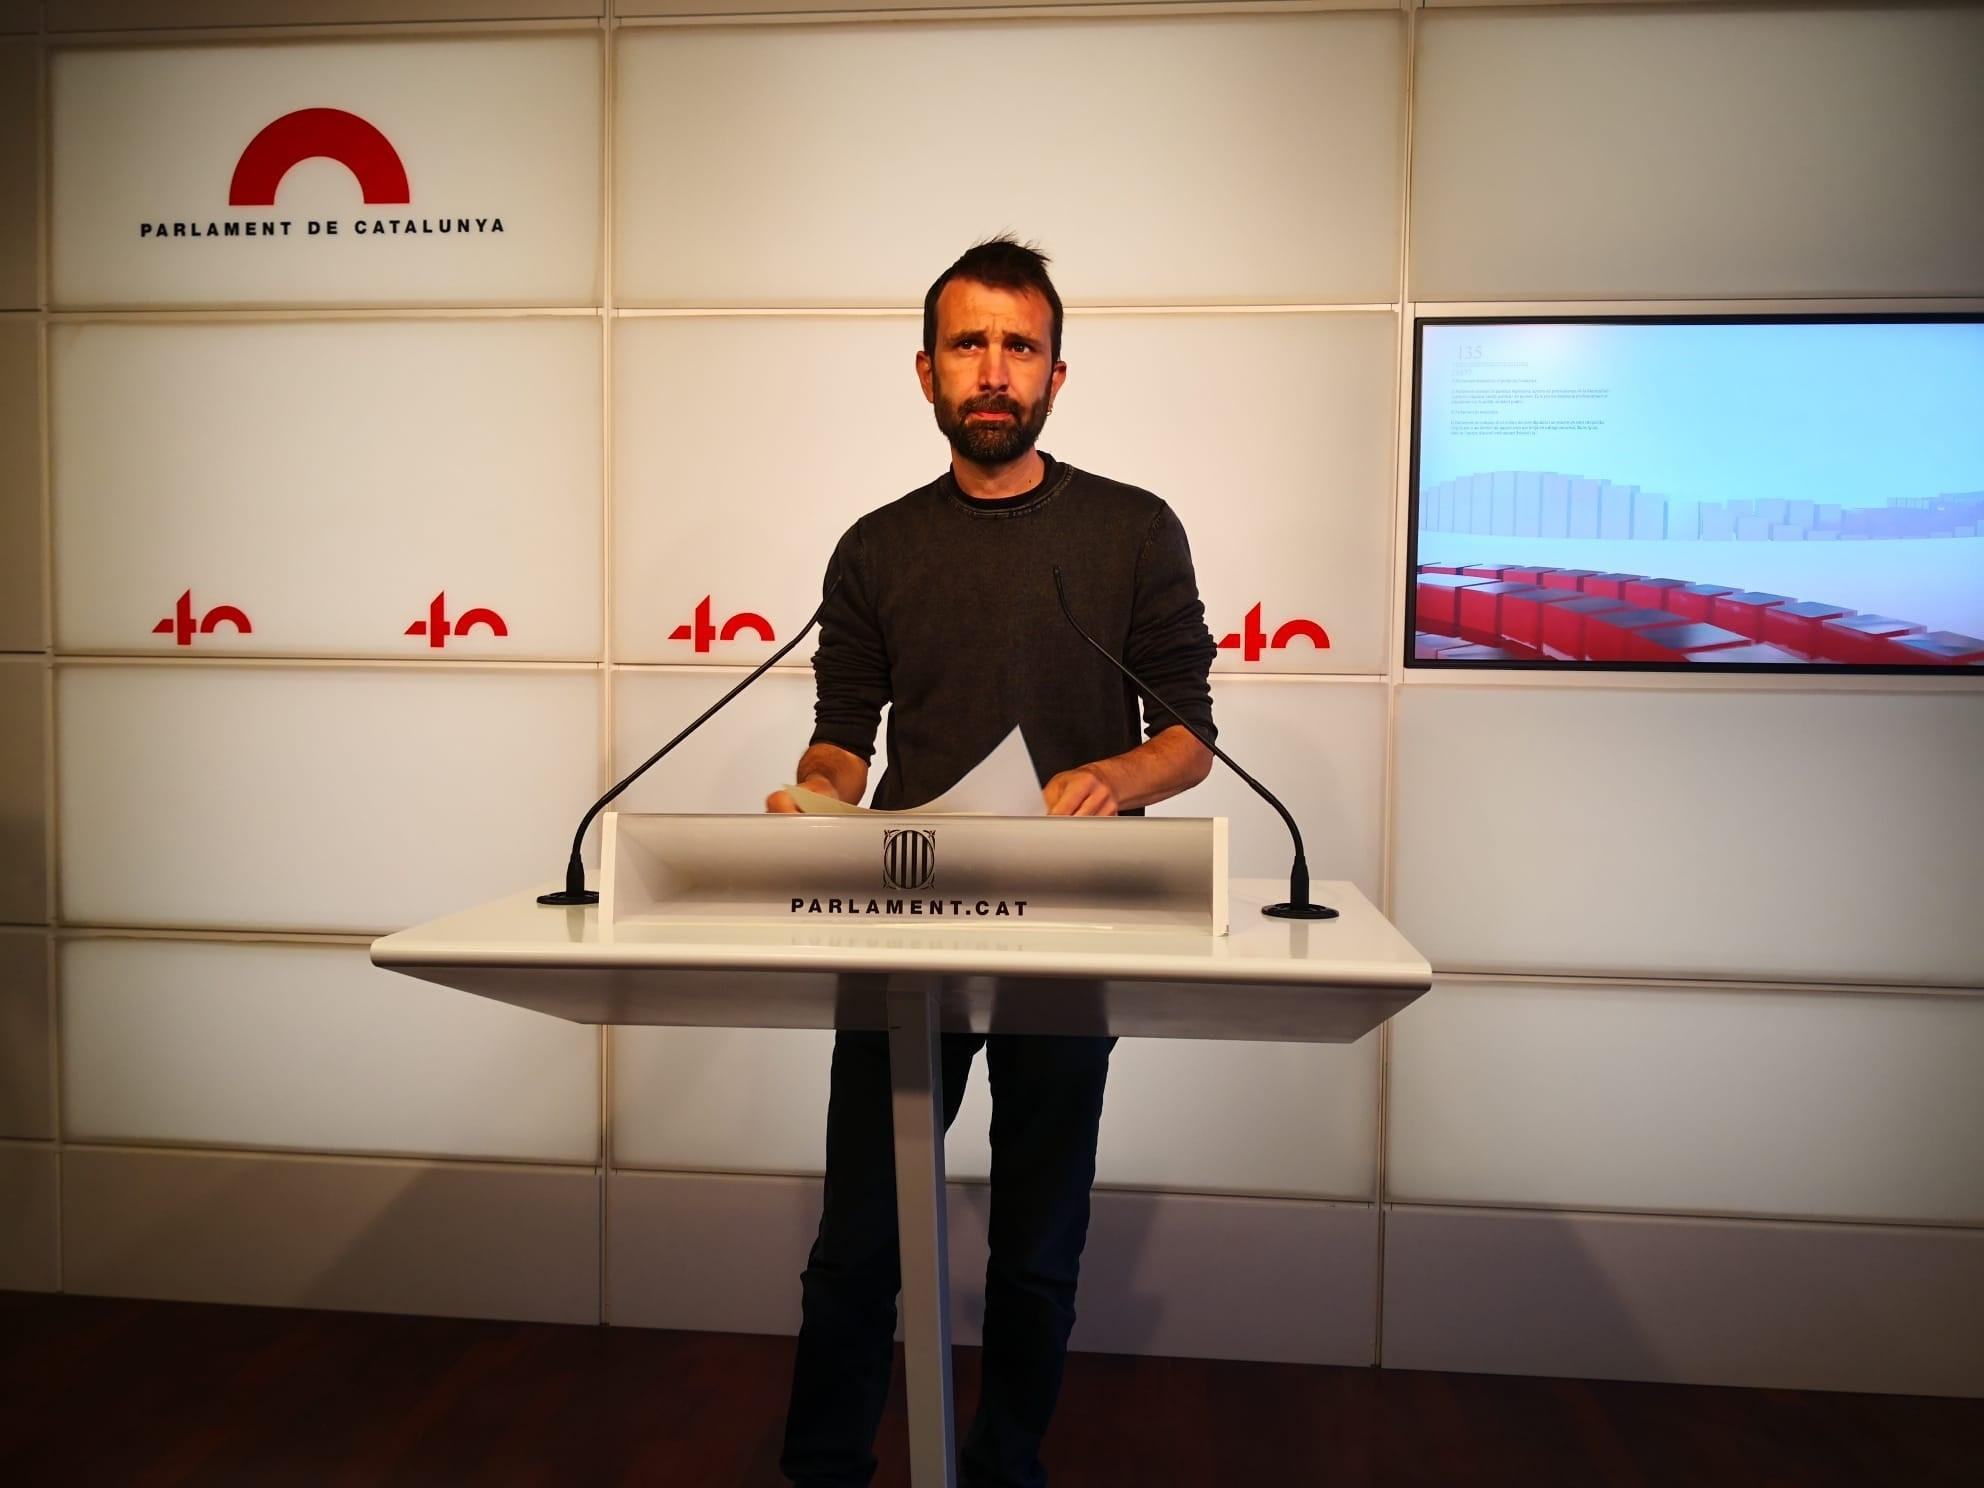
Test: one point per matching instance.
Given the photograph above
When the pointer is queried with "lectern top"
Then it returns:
(1360, 948)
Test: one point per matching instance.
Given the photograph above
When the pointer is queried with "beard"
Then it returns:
(991, 444)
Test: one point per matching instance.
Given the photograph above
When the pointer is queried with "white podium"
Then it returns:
(765, 959)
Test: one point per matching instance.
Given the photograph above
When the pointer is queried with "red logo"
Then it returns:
(181, 626)
(703, 631)
(312, 133)
(437, 627)
(1250, 638)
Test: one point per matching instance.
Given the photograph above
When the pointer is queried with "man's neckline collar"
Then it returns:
(1053, 477)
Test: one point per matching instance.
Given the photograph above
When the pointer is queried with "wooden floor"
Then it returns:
(145, 1394)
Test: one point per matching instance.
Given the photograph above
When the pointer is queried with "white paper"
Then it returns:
(1001, 784)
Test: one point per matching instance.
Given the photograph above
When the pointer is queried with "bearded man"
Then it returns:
(946, 615)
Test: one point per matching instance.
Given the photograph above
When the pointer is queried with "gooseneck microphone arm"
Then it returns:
(1298, 906)
(575, 890)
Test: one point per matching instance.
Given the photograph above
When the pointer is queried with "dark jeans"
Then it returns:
(1046, 1107)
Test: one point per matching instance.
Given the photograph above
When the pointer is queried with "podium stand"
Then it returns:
(741, 946)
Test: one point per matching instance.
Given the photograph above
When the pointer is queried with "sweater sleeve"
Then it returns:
(851, 666)
(1169, 645)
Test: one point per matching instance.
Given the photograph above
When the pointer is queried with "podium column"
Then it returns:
(916, 1076)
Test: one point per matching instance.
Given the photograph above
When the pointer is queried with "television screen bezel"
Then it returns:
(1421, 321)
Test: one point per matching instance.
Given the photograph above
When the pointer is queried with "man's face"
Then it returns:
(993, 377)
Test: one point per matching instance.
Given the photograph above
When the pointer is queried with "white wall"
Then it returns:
(1694, 1098)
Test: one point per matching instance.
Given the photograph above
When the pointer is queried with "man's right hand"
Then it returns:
(781, 803)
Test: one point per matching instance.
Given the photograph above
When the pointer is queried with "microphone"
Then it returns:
(575, 890)
(1298, 906)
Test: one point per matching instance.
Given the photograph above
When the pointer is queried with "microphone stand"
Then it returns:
(1298, 905)
(575, 890)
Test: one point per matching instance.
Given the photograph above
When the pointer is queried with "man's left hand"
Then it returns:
(1082, 792)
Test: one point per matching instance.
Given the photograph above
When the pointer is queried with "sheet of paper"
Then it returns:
(1001, 784)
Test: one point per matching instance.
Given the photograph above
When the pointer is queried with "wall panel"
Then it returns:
(1726, 835)
(1320, 746)
(24, 699)
(1693, 1301)
(317, 798)
(1632, 152)
(20, 174)
(122, 15)
(1257, 156)
(717, 1252)
(1287, 1120)
(311, 1047)
(736, 759)
(455, 461)
(722, 494)
(1765, 1103)
(30, 1260)
(27, 1036)
(454, 130)
(715, 8)
(23, 623)
(473, 1240)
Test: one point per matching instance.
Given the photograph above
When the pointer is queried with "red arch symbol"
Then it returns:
(221, 615)
(306, 134)
(1309, 630)
(482, 617)
(746, 621)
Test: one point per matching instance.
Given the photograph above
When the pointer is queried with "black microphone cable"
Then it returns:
(1298, 906)
(575, 890)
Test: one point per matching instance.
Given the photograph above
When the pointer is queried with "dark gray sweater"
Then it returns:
(946, 614)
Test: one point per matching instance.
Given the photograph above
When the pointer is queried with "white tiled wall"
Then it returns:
(1763, 835)
(1565, 1096)
(1651, 886)
(325, 799)
(313, 1048)
(1619, 153)
(450, 458)
(1237, 159)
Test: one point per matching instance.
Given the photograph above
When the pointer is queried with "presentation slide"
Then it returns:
(1781, 493)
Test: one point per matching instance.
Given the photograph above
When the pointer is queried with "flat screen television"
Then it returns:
(1691, 493)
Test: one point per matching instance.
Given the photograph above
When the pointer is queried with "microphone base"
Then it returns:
(1299, 911)
(570, 897)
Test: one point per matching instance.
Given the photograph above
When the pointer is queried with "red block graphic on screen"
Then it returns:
(1608, 634)
(1939, 648)
(182, 627)
(1610, 585)
(1436, 595)
(437, 627)
(1564, 623)
(1480, 608)
(1864, 639)
(703, 630)
(1696, 601)
(1567, 578)
(319, 133)
(1744, 612)
(1797, 625)
(1523, 611)
(1651, 594)
(1680, 642)
(1251, 638)
(1758, 654)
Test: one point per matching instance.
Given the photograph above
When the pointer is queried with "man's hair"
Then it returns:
(1003, 263)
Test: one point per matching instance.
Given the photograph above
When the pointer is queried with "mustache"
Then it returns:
(991, 403)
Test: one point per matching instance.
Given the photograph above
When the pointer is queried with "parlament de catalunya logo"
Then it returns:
(330, 134)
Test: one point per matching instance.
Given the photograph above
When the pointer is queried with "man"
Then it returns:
(946, 613)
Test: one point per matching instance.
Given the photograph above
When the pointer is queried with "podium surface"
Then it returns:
(1328, 981)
